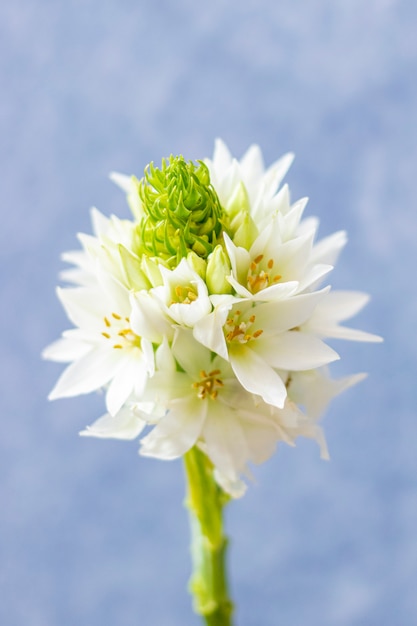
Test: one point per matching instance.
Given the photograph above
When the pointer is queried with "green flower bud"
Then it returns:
(218, 267)
(198, 264)
(243, 231)
(151, 268)
(238, 202)
(133, 274)
(182, 210)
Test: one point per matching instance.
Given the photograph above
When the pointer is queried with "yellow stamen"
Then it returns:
(207, 385)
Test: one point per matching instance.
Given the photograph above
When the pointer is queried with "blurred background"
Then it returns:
(92, 534)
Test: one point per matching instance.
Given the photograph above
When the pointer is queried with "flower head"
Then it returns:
(205, 318)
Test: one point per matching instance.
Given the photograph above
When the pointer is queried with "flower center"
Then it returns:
(239, 331)
(184, 294)
(261, 277)
(119, 332)
(208, 385)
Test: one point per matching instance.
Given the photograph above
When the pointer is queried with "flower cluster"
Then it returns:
(204, 317)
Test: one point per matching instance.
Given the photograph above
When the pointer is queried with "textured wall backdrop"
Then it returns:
(92, 534)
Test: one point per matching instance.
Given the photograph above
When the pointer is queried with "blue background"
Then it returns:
(92, 534)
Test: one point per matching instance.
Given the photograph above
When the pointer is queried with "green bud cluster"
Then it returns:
(182, 212)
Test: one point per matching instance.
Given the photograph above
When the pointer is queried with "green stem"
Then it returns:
(205, 501)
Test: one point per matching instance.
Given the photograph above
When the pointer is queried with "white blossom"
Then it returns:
(205, 317)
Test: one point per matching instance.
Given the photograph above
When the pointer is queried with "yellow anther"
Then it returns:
(117, 330)
(207, 385)
(257, 333)
(124, 332)
(257, 278)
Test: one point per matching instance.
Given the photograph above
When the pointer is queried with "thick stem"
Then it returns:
(205, 501)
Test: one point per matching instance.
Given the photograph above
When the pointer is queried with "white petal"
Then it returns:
(280, 315)
(65, 350)
(124, 425)
(235, 488)
(256, 376)
(314, 389)
(295, 350)
(328, 249)
(225, 441)
(279, 291)
(89, 373)
(276, 172)
(84, 306)
(190, 354)
(261, 436)
(341, 305)
(342, 332)
(177, 432)
(131, 375)
(147, 319)
(209, 331)
(221, 156)
(314, 277)
(121, 180)
(99, 221)
(239, 258)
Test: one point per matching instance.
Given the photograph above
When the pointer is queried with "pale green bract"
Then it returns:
(204, 317)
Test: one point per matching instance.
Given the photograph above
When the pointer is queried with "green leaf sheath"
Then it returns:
(205, 502)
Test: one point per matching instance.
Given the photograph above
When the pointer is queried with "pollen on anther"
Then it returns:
(106, 335)
(258, 258)
(270, 264)
(116, 316)
(257, 333)
(118, 346)
(106, 321)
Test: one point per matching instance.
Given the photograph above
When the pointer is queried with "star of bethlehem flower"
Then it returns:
(205, 317)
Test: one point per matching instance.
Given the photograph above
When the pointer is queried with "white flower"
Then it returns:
(258, 340)
(261, 185)
(103, 349)
(205, 318)
(273, 269)
(206, 406)
(183, 296)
